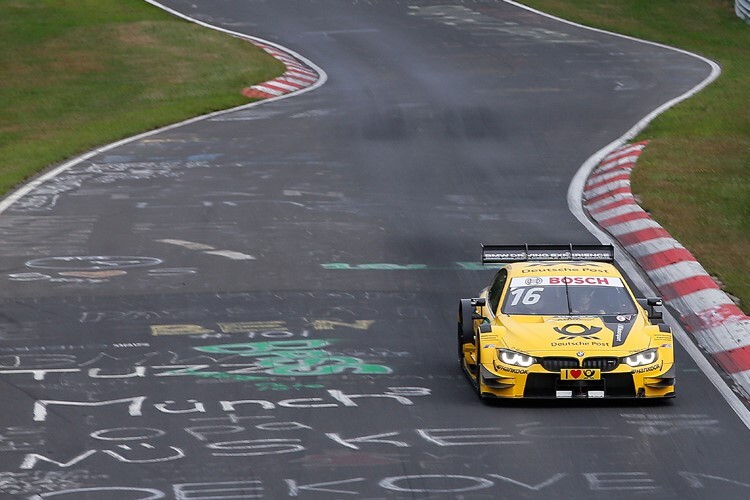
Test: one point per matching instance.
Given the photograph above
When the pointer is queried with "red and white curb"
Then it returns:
(715, 322)
(297, 76)
(308, 65)
(301, 74)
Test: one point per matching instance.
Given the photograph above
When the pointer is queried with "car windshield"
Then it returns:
(567, 295)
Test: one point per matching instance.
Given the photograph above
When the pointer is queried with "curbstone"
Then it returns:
(742, 9)
(296, 77)
(718, 326)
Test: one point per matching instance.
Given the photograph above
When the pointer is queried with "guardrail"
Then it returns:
(742, 8)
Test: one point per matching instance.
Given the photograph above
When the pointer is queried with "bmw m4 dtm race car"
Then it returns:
(559, 321)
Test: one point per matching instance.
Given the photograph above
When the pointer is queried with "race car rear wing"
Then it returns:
(495, 254)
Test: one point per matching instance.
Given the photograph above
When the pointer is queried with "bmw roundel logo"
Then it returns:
(580, 354)
(534, 281)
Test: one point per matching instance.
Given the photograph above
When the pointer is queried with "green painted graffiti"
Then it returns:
(223, 375)
(281, 348)
(292, 358)
(322, 365)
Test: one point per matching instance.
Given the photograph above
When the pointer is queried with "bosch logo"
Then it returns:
(534, 281)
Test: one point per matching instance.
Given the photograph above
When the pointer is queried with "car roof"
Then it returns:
(567, 268)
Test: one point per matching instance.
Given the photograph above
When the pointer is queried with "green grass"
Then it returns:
(75, 74)
(694, 177)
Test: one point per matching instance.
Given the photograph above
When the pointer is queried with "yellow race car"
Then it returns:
(559, 321)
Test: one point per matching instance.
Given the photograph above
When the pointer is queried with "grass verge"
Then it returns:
(75, 74)
(694, 177)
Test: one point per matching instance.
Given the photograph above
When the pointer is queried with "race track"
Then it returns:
(262, 304)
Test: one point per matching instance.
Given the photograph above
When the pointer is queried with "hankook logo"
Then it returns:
(573, 330)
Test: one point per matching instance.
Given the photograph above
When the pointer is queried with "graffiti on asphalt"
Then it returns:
(495, 485)
(135, 404)
(271, 329)
(249, 361)
(294, 358)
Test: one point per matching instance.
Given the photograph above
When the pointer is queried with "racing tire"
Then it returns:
(465, 326)
(479, 369)
(460, 347)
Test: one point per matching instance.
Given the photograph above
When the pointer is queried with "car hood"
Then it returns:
(554, 334)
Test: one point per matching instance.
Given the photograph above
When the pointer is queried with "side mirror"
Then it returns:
(653, 307)
(477, 303)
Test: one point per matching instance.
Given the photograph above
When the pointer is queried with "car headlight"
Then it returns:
(515, 358)
(641, 358)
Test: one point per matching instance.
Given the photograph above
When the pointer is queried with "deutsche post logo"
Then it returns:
(552, 264)
(573, 330)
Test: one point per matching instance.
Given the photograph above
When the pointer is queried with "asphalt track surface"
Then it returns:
(306, 257)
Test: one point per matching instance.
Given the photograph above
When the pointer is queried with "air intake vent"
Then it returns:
(557, 364)
(605, 364)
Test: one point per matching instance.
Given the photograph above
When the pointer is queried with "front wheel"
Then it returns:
(479, 370)
(465, 326)
(460, 347)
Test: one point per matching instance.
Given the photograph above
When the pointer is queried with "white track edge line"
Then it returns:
(22, 191)
(575, 197)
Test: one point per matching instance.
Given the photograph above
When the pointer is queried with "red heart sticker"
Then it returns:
(575, 373)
